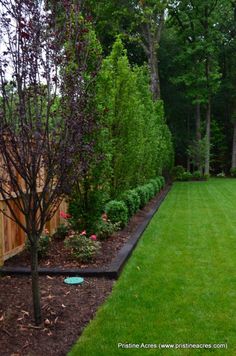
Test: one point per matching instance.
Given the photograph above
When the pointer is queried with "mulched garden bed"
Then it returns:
(59, 256)
(66, 310)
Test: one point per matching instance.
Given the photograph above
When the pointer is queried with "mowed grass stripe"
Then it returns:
(180, 284)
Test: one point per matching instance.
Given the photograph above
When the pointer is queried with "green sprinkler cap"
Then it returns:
(73, 280)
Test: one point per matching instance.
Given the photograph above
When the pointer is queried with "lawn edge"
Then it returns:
(116, 266)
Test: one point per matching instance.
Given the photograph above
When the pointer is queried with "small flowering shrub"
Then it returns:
(132, 201)
(43, 244)
(83, 248)
(117, 212)
(105, 228)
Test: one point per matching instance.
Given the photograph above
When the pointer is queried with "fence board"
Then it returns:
(12, 237)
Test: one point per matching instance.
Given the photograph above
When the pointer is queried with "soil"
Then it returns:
(59, 256)
(66, 310)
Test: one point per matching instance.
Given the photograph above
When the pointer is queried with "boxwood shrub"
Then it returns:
(197, 175)
(131, 200)
(151, 191)
(155, 184)
(117, 212)
(162, 180)
(143, 193)
(186, 176)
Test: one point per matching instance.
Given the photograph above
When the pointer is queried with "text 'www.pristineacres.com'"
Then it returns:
(170, 346)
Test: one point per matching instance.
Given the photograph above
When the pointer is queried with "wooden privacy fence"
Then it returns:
(12, 237)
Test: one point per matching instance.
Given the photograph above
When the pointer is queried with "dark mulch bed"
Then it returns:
(66, 309)
(59, 256)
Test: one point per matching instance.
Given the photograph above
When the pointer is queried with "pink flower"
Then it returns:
(83, 233)
(63, 215)
(46, 231)
(93, 237)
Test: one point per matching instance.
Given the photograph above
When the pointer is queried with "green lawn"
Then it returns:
(180, 284)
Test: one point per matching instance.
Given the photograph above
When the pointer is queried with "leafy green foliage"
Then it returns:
(151, 190)
(155, 185)
(131, 200)
(140, 141)
(197, 175)
(117, 212)
(83, 248)
(186, 176)
(233, 172)
(44, 243)
(143, 193)
(105, 228)
(177, 172)
(61, 232)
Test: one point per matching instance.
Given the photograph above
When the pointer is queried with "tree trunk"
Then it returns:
(198, 122)
(198, 133)
(208, 137)
(35, 283)
(153, 65)
(234, 148)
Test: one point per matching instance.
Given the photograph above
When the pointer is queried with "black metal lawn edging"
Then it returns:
(113, 270)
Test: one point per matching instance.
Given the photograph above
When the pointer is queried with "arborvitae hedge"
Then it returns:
(140, 141)
(133, 142)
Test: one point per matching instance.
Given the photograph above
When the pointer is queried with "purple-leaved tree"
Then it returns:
(45, 124)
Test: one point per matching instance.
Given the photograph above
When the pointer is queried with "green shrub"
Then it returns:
(155, 184)
(105, 228)
(83, 248)
(143, 193)
(151, 191)
(197, 175)
(159, 182)
(233, 172)
(117, 212)
(177, 172)
(44, 243)
(162, 179)
(186, 176)
(132, 201)
(61, 232)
